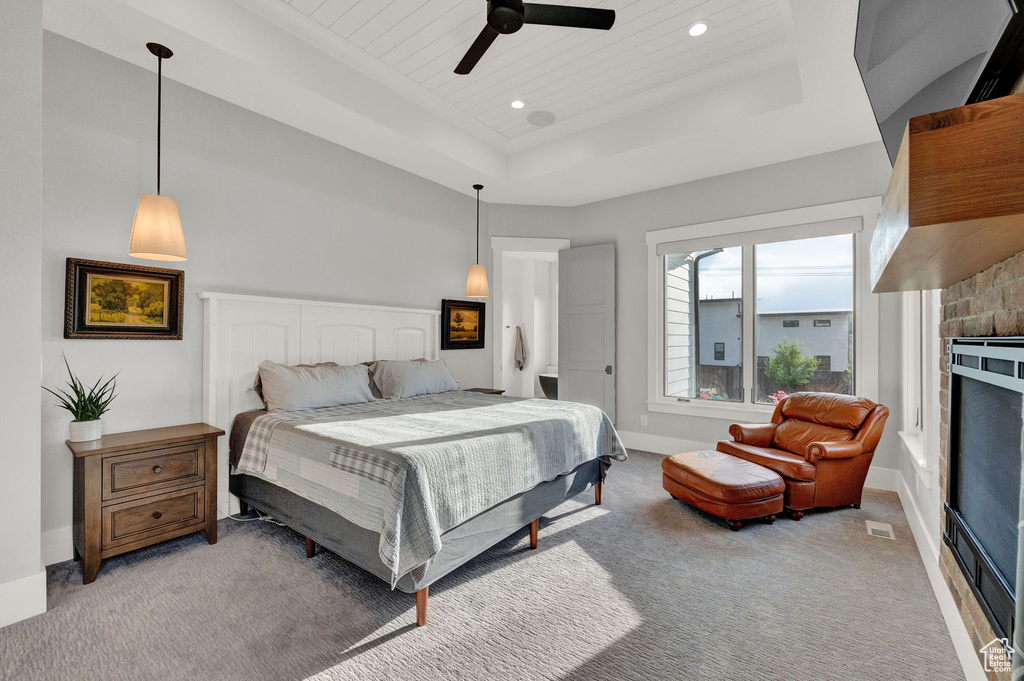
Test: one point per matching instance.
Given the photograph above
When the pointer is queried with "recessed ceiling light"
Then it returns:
(699, 28)
(518, 103)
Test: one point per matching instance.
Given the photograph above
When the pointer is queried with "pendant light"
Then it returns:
(476, 282)
(156, 232)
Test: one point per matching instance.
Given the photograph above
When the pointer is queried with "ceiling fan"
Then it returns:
(508, 16)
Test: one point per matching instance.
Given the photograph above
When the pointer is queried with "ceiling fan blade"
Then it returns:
(562, 15)
(476, 50)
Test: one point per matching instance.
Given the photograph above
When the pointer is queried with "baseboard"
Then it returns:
(925, 542)
(57, 545)
(659, 444)
(23, 598)
(882, 478)
(962, 643)
(878, 478)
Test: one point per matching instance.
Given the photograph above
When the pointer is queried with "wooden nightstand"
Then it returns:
(143, 487)
(486, 391)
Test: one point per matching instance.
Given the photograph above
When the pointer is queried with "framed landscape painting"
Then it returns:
(114, 300)
(462, 325)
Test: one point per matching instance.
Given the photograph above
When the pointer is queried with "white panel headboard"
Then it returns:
(241, 331)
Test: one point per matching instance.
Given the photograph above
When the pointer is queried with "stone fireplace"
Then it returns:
(991, 303)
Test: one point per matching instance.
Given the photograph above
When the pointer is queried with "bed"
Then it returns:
(407, 489)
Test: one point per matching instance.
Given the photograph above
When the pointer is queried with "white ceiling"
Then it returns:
(638, 107)
(567, 72)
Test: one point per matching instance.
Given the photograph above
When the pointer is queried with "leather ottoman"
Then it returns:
(724, 485)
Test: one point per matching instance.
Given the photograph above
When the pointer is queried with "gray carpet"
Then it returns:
(642, 587)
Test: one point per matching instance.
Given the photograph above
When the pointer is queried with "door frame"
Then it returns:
(499, 246)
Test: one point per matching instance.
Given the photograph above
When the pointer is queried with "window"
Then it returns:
(700, 306)
(703, 301)
(736, 282)
(822, 323)
(920, 428)
(804, 275)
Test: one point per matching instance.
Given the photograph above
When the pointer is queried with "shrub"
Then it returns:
(789, 367)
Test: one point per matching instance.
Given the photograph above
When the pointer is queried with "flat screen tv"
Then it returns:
(921, 56)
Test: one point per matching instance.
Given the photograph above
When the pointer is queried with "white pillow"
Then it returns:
(295, 388)
(412, 378)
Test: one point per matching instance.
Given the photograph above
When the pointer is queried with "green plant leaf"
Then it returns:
(85, 404)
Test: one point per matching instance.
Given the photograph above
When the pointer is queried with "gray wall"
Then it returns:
(20, 200)
(842, 175)
(266, 210)
(271, 210)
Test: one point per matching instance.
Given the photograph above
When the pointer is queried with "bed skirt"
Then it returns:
(459, 544)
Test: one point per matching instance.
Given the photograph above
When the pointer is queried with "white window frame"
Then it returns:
(799, 223)
(920, 339)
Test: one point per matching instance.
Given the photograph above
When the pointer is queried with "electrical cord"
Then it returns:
(259, 517)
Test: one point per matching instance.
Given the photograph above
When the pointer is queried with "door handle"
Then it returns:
(608, 369)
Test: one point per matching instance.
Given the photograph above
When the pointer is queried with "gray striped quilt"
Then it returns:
(411, 469)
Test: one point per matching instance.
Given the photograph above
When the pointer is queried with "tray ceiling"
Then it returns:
(647, 56)
(641, 106)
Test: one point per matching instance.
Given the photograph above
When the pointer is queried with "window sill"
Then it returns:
(914, 445)
(737, 412)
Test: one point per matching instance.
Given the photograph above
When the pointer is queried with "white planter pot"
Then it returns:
(84, 431)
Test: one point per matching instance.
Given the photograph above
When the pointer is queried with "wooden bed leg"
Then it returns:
(597, 493)
(310, 548)
(243, 507)
(534, 529)
(421, 606)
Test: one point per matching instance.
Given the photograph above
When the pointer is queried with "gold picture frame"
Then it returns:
(115, 300)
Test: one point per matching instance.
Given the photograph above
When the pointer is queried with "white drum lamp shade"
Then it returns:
(156, 231)
(476, 282)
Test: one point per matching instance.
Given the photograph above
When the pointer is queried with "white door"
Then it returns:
(586, 326)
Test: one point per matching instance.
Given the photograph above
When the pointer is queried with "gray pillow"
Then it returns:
(287, 388)
(412, 378)
(258, 384)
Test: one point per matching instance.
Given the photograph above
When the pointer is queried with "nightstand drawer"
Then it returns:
(134, 521)
(153, 470)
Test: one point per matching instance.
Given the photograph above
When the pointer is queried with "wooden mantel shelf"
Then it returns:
(955, 202)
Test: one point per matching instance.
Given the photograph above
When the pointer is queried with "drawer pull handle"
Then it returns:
(158, 469)
(157, 515)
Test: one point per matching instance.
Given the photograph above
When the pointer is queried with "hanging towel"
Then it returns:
(520, 349)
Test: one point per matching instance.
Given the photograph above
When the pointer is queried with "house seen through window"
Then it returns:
(804, 280)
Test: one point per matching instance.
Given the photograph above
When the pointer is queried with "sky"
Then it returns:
(807, 274)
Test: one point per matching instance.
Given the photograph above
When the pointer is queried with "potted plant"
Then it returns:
(87, 405)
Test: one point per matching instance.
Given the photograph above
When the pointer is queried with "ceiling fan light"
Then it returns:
(476, 282)
(156, 231)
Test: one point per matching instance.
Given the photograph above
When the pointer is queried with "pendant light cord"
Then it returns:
(159, 107)
(478, 187)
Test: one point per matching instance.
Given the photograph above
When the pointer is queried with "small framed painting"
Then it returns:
(462, 325)
(114, 300)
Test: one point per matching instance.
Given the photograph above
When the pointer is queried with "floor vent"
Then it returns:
(883, 530)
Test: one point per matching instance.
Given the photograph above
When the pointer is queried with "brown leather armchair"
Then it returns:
(820, 443)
